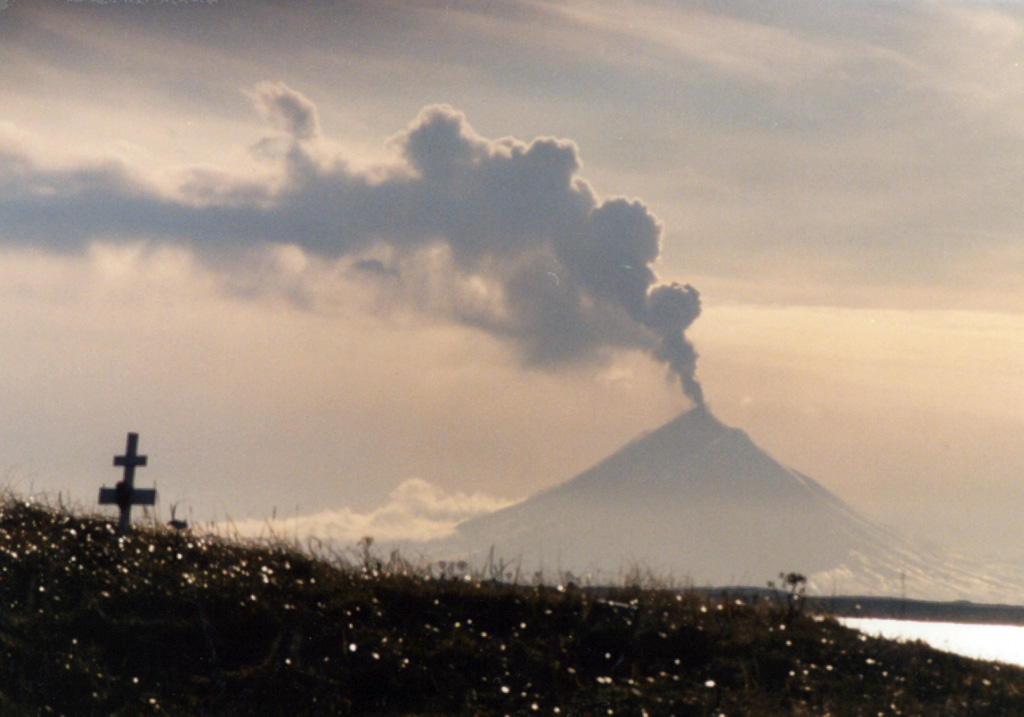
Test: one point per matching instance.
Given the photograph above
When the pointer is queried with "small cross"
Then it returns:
(124, 495)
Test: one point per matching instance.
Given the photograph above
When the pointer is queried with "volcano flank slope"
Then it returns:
(698, 501)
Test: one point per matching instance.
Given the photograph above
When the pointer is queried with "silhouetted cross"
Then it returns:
(124, 495)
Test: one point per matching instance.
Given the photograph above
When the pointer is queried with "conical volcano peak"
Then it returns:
(696, 418)
(658, 456)
(697, 500)
(686, 432)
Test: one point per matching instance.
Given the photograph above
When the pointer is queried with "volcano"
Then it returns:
(698, 502)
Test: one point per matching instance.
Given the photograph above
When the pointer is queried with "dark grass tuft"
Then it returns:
(162, 622)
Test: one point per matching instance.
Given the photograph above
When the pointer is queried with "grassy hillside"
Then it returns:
(171, 623)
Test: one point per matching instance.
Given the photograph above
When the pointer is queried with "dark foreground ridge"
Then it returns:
(160, 622)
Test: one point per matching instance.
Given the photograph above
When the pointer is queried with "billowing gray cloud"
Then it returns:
(562, 274)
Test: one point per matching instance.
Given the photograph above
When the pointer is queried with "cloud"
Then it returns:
(498, 234)
(286, 109)
(416, 510)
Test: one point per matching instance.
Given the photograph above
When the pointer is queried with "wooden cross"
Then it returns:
(124, 495)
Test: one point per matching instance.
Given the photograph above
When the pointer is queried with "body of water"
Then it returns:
(1000, 643)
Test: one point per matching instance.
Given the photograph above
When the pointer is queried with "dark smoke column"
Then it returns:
(671, 308)
(612, 259)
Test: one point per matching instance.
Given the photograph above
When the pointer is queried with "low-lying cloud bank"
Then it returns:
(416, 510)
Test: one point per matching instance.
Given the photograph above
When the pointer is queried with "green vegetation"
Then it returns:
(161, 622)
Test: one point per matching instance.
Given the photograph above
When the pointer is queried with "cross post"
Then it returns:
(124, 495)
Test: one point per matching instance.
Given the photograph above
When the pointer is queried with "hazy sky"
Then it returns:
(394, 263)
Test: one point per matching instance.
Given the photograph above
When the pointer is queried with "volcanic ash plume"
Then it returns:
(499, 234)
(673, 309)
